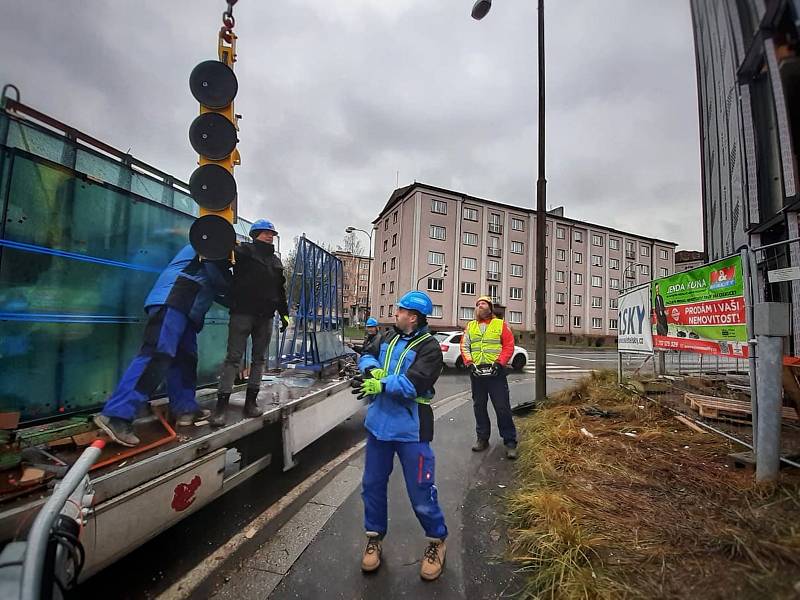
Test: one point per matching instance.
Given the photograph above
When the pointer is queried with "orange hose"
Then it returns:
(171, 435)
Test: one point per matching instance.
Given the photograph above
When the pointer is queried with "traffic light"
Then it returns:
(214, 135)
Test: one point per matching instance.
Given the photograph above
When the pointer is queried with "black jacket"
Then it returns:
(258, 282)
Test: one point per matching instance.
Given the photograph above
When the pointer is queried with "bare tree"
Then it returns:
(352, 243)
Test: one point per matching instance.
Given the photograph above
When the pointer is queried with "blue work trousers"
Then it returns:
(418, 464)
(496, 388)
(169, 350)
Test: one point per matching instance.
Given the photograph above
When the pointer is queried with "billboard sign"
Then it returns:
(702, 310)
(635, 332)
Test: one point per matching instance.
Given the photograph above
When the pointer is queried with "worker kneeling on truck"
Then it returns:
(176, 308)
(257, 292)
(371, 336)
(398, 376)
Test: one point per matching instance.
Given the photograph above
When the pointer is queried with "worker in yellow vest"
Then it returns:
(486, 347)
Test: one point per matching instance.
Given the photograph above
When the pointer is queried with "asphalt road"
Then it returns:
(153, 567)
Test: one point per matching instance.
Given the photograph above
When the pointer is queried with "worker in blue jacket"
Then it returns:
(398, 377)
(176, 308)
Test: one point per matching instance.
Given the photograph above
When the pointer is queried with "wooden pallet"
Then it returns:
(712, 407)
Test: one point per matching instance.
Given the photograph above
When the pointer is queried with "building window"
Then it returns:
(391, 287)
(663, 254)
(579, 278)
(516, 270)
(576, 321)
(470, 239)
(517, 247)
(467, 288)
(394, 239)
(597, 302)
(391, 309)
(470, 214)
(435, 284)
(383, 289)
(364, 266)
(577, 236)
(394, 218)
(645, 269)
(559, 320)
(578, 257)
(613, 303)
(382, 311)
(560, 232)
(613, 284)
(560, 298)
(559, 276)
(494, 267)
(469, 264)
(436, 258)
(612, 324)
(597, 281)
(645, 250)
(517, 224)
(467, 313)
(613, 263)
(577, 300)
(597, 323)
(384, 267)
(514, 316)
(613, 243)
(386, 227)
(561, 254)
(437, 232)
(362, 288)
(597, 240)
(663, 272)
(515, 293)
(494, 223)
(439, 207)
(436, 313)
(385, 245)
(394, 263)
(597, 260)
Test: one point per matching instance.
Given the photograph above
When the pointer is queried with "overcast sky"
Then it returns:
(337, 96)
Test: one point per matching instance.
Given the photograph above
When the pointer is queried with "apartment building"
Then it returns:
(488, 248)
(355, 289)
(686, 260)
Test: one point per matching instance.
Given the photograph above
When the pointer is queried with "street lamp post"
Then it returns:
(369, 271)
(479, 10)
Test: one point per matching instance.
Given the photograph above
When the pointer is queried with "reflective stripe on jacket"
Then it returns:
(485, 345)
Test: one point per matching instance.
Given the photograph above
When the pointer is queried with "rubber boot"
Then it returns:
(251, 409)
(218, 420)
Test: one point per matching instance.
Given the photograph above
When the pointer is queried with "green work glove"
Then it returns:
(377, 374)
(371, 387)
(284, 322)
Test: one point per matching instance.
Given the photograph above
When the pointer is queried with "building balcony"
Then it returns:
(631, 254)
(495, 228)
(496, 252)
(493, 275)
(497, 300)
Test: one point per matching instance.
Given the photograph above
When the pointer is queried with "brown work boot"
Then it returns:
(433, 560)
(480, 445)
(372, 553)
(251, 409)
(218, 420)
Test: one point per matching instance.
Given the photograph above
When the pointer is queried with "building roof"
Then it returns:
(401, 193)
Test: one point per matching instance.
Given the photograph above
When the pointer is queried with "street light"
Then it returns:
(479, 10)
(369, 271)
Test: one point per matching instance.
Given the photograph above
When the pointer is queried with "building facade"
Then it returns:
(686, 260)
(748, 80)
(489, 248)
(356, 286)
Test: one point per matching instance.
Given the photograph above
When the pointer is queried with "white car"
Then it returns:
(450, 342)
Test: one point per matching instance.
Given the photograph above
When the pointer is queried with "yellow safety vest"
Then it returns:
(485, 346)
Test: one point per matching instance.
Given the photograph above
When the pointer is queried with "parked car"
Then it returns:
(450, 342)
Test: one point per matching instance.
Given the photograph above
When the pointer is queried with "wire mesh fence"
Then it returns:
(712, 391)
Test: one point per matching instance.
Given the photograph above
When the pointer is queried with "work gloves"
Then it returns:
(367, 385)
(377, 373)
(284, 322)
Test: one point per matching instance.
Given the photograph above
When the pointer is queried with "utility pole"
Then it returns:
(541, 237)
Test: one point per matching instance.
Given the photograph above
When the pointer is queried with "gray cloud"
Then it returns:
(339, 96)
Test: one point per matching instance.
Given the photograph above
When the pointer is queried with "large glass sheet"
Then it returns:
(35, 141)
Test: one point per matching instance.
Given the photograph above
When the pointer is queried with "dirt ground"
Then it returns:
(615, 498)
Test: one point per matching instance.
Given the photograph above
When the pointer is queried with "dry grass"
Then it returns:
(658, 515)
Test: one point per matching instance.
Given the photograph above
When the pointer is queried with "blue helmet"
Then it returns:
(372, 322)
(418, 301)
(262, 225)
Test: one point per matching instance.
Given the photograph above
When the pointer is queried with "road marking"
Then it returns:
(576, 357)
(185, 587)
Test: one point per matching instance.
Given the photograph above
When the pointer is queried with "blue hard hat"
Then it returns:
(372, 322)
(262, 225)
(418, 301)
